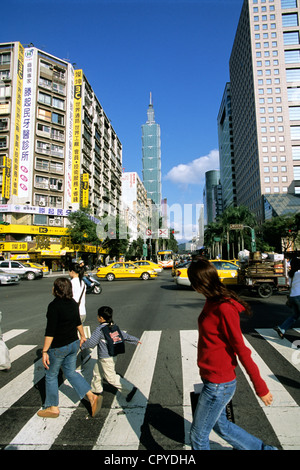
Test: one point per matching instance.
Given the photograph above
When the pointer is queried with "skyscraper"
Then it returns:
(265, 81)
(151, 149)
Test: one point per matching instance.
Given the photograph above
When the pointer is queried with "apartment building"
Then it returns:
(58, 149)
(265, 98)
(136, 207)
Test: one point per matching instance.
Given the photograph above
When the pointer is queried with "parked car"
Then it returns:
(125, 270)
(15, 267)
(149, 265)
(7, 279)
(228, 273)
(45, 269)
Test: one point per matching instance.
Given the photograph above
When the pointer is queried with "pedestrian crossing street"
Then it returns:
(122, 423)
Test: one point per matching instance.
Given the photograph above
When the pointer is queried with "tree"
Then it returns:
(82, 229)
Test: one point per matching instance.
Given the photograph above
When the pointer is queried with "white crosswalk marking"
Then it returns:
(39, 433)
(284, 413)
(192, 382)
(122, 428)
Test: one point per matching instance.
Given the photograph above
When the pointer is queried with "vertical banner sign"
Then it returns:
(27, 126)
(18, 117)
(85, 190)
(76, 136)
(6, 177)
(69, 141)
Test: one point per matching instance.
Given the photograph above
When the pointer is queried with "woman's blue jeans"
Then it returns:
(211, 414)
(289, 322)
(65, 358)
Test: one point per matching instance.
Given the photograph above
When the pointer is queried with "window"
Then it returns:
(292, 57)
(295, 132)
(57, 118)
(288, 4)
(291, 38)
(57, 103)
(296, 152)
(45, 99)
(44, 114)
(293, 75)
(294, 113)
(293, 94)
(296, 172)
(289, 19)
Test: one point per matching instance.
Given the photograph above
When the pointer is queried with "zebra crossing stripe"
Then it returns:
(122, 428)
(192, 382)
(19, 351)
(17, 387)
(283, 346)
(39, 433)
(284, 413)
(12, 334)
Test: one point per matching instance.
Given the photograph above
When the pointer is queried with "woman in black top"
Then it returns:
(60, 349)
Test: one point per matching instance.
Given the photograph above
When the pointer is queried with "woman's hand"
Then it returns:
(82, 340)
(267, 399)
(46, 360)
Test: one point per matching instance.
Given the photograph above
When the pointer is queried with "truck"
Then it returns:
(265, 275)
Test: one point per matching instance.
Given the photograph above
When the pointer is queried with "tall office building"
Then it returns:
(151, 149)
(212, 196)
(265, 90)
(226, 150)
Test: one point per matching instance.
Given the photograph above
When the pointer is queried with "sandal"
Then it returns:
(47, 413)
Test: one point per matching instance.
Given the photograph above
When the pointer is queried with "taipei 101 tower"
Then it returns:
(151, 149)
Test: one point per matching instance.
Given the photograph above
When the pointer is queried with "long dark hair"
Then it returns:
(295, 266)
(77, 269)
(205, 280)
(62, 288)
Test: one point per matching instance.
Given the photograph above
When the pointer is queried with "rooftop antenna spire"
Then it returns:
(150, 104)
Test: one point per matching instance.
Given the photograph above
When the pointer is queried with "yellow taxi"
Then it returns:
(142, 263)
(126, 270)
(227, 271)
(45, 269)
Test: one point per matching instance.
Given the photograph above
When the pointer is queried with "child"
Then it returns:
(105, 366)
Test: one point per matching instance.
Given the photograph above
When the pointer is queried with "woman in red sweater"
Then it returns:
(220, 342)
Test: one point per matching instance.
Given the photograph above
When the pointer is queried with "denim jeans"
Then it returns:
(289, 322)
(65, 358)
(211, 414)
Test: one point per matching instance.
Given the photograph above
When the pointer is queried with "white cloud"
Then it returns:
(194, 172)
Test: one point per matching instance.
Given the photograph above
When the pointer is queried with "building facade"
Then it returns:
(58, 150)
(265, 84)
(226, 150)
(135, 206)
(212, 196)
(151, 151)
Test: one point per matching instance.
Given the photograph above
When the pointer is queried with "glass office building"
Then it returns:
(151, 148)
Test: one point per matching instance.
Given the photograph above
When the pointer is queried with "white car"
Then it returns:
(7, 279)
(15, 267)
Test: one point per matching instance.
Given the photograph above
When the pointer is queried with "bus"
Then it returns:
(165, 258)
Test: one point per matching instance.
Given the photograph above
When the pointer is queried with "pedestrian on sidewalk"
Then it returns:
(294, 298)
(109, 340)
(220, 342)
(60, 349)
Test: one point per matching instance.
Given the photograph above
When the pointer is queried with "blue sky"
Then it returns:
(179, 50)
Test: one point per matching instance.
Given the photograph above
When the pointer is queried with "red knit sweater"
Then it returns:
(220, 341)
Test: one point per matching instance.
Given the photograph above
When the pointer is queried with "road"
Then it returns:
(163, 367)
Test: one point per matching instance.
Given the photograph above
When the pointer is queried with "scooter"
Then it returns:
(93, 286)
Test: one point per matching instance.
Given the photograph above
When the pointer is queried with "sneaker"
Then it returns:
(131, 394)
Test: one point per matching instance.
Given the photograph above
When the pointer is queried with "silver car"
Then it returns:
(15, 267)
(6, 279)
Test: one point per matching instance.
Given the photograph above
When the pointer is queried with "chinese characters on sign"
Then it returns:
(18, 117)
(76, 136)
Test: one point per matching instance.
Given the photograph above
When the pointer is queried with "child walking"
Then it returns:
(109, 340)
